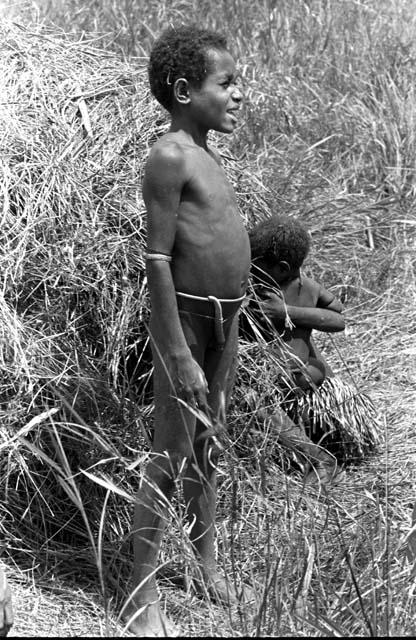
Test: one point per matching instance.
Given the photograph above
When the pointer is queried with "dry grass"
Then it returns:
(328, 135)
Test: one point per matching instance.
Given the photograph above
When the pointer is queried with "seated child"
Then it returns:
(279, 246)
(312, 397)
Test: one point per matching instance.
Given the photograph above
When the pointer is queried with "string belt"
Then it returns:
(218, 311)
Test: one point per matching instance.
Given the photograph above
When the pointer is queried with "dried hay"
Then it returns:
(76, 125)
(339, 417)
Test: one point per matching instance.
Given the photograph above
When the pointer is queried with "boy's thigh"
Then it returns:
(174, 424)
(316, 371)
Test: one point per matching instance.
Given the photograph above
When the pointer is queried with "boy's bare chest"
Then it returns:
(208, 184)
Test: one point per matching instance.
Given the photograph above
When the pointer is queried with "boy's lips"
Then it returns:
(233, 113)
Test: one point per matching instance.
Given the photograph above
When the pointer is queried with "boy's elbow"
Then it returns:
(340, 324)
(332, 322)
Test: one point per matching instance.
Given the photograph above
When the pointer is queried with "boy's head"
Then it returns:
(279, 242)
(181, 53)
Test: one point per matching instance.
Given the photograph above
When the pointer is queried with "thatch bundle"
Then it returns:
(76, 124)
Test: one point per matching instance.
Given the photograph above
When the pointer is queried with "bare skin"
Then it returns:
(6, 610)
(193, 216)
(309, 307)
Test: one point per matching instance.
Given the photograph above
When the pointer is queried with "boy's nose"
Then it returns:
(237, 94)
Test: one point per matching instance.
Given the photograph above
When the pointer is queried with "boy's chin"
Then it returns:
(226, 128)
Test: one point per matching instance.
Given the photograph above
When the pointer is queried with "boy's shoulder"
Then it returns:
(310, 284)
(302, 291)
(169, 157)
(169, 146)
(173, 150)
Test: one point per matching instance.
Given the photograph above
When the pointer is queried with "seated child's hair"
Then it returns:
(180, 53)
(280, 238)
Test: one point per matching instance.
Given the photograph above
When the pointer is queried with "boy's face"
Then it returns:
(215, 104)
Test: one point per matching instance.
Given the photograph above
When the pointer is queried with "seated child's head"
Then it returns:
(279, 245)
(181, 52)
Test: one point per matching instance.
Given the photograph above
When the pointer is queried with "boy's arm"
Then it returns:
(273, 307)
(165, 177)
(6, 610)
(327, 300)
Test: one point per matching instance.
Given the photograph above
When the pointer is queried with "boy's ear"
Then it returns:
(181, 91)
(284, 266)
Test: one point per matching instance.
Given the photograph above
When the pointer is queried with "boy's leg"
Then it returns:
(174, 431)
(312, 375)
(317, 354)
(293, 436)
(321, 466)
(200, 485)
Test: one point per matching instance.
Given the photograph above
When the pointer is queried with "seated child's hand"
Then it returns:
(336, 305)
(272, 305)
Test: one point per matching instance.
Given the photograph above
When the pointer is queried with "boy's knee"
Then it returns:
(316, 370)
(165, 467)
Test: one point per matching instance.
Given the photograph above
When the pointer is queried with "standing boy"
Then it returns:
(198, 261)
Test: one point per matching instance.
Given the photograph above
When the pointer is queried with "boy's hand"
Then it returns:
(189, 380)
(272, 305)
(6, 610)
(335, 305)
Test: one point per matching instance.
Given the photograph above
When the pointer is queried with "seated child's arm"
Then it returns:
(165, 177)
(327, 300)
(273, 307)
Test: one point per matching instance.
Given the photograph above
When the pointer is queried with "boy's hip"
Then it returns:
(209, 306)
(219, 311)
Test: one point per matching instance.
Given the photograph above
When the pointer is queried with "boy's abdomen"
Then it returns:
(213, 260)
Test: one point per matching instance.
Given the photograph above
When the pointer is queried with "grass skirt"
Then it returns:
(338, 417)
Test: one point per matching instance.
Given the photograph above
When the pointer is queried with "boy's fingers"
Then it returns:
(201, 400)
(6, 618)
(6, 611)
(9, 618)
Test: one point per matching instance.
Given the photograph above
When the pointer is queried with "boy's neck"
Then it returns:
(190, 130)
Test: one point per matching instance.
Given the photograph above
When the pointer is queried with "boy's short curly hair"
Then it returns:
(180, 52)
(280, 238)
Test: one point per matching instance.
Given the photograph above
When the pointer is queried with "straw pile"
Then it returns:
(76, 125)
